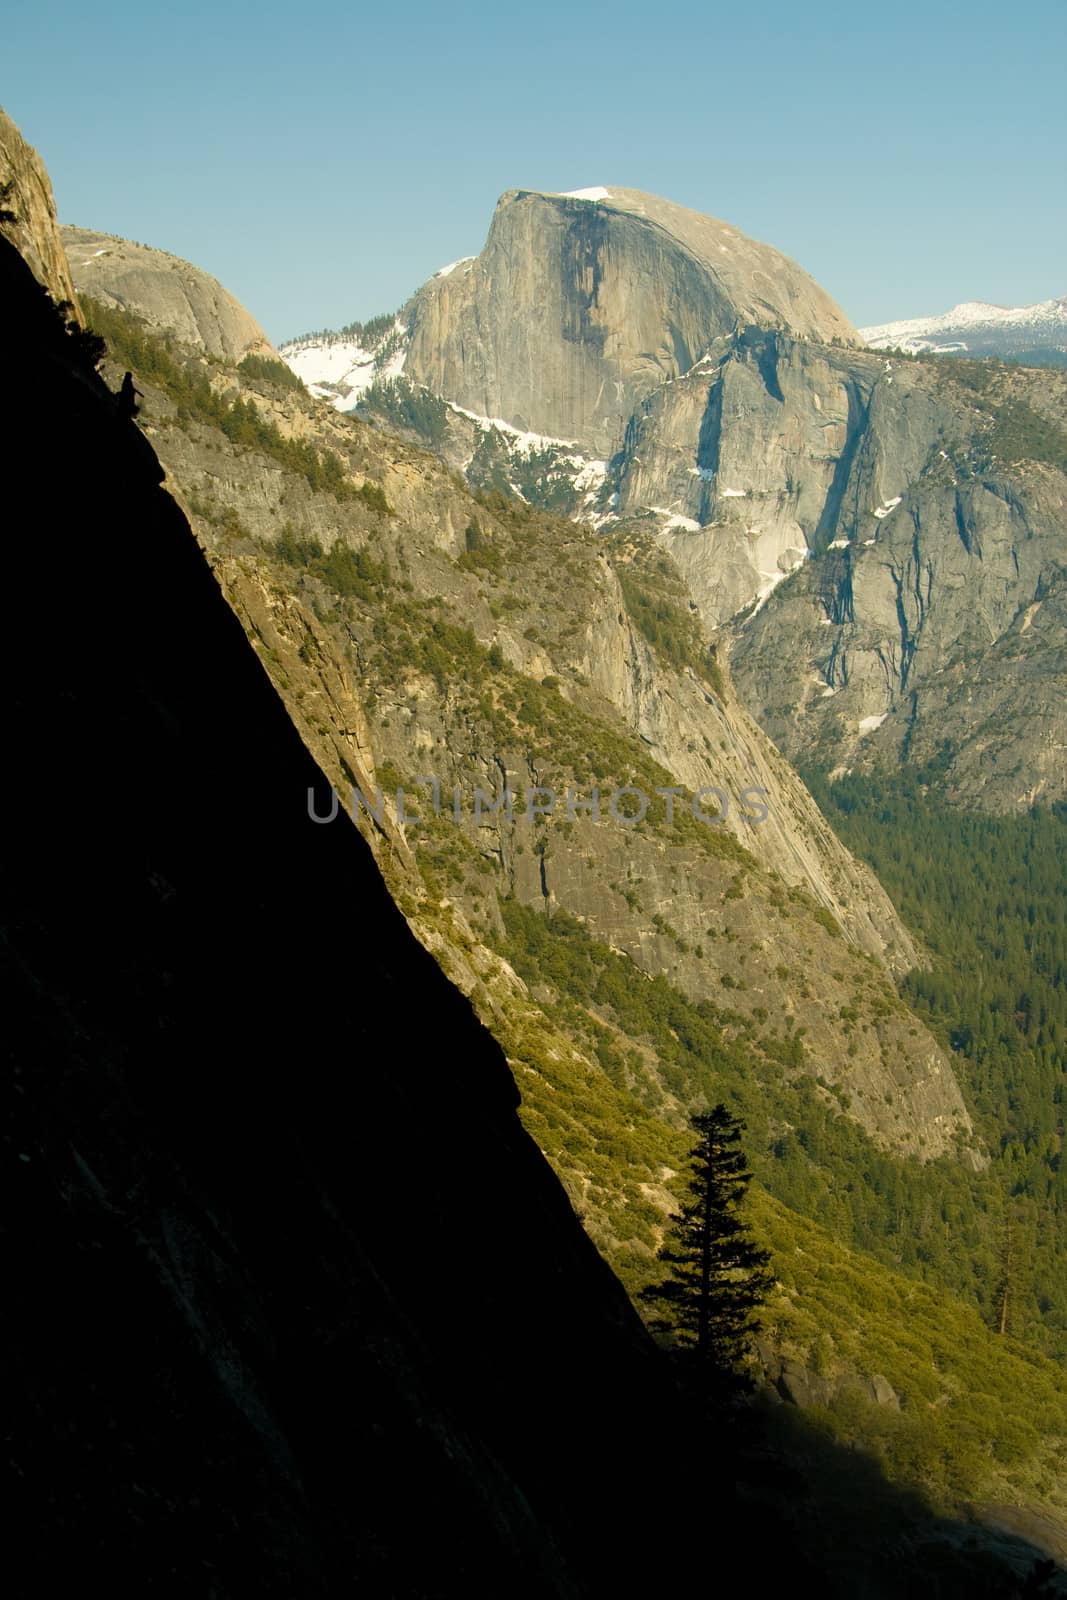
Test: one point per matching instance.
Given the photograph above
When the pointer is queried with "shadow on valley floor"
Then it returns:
(867, 1536)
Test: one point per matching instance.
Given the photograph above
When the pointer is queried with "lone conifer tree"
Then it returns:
(718, 1274)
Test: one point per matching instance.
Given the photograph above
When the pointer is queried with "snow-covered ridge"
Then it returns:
(518, 438)
(338, 368)
(976, 323)
(596, 193)
(565, 460)
(445, 272)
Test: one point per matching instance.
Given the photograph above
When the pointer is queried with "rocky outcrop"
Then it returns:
(786, 1377)
(744, 457)
(578, 309)
(165, 292)
(934, 622)
(31, 223)
(293, 1305)
(251, 1131)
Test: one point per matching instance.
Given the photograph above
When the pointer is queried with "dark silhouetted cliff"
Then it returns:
(290, 1299)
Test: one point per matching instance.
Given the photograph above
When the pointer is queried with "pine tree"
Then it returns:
(718, 1274)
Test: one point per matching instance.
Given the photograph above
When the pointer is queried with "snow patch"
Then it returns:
(837, 544)
(869, 724)
(688, 524)
(394, 366)
(339, 371)
(591, 476)
(771, 580)
(596, 193)
(444, 272)
(521, 440)
(890, 505)
(733, 494)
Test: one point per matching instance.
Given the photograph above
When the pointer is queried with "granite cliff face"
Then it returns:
(934, 622)
(252, 1132)
(34, 230)
(578, 309)
(164, 291)
(745, 454)
(882, 541)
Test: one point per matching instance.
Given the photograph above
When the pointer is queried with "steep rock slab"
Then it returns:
(745, 457)
(918, 507)
(934, 622)
(165, 291)
(35, 231)
(577, 309)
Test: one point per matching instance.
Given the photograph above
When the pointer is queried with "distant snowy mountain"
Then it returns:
(1036, 334)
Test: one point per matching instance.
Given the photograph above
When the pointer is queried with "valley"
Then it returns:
(439, 623)
(621, 507)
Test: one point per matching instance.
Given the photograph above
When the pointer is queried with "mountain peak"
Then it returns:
(768, 287)
(976, 327)
(165, 291)
(582, 303)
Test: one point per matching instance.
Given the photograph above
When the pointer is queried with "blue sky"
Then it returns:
(323, 159)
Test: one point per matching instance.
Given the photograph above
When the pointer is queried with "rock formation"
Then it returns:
(933, 624)
(884, 540)
(292, 1304)
(34, 230)
(166, 292)
(578, 309)
(251, 1135)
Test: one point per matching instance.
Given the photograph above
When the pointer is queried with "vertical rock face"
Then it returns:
(34, 231)
(646, 364)
(578, 309)
(746, 452)
(165, 292)
(934, 621)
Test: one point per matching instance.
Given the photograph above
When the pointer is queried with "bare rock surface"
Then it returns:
(165, 292)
